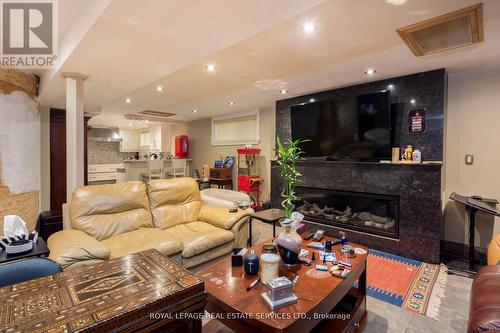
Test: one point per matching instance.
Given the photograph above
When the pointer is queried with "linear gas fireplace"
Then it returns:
(371, 213)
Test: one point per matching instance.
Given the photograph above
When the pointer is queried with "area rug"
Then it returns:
(410, 284)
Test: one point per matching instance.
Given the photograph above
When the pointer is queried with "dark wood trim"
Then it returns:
(85, 151)
(58, 157)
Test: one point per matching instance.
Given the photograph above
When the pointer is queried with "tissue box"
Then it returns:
(19, 243)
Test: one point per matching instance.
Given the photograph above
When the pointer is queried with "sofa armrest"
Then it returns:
(221, 217)
(68, 247)
(240, 231)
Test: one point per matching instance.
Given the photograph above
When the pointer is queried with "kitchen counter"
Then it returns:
(135, 168)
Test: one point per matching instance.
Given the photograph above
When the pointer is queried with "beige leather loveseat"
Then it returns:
(108, 221)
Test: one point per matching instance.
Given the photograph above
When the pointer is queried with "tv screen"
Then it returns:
(357, 127)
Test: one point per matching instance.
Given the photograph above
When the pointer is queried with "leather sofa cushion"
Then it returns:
(198, 237)
(494, 250)
(104, 211)
(174, 201)
(484, 307)
(68, 247)
(140, 240)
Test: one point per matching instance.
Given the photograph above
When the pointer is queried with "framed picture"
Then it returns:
(416, 121)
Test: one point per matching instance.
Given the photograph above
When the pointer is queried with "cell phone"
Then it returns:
(318, 235)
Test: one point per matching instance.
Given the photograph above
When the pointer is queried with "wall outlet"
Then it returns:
(469, 159)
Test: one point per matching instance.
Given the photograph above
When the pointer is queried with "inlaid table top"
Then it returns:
(100, 297)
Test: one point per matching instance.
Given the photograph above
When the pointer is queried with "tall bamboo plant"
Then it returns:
(288, 154)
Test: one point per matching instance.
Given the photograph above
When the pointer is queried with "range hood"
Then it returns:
(104, 134)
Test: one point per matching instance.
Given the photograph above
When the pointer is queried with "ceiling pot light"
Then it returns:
(413, 101)
(146, 121)
(396, 2)
(283, 91)
(312, 100)
(231, 103)
(130, 125)
(159, 88)
(370, 71)
(390, 87)
(195, 111)
(210, 67)
(308, 27)
(128, 100)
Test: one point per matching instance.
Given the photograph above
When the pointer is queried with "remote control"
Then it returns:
(318, 235)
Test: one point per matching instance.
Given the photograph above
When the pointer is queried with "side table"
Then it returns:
(40, 249)
(271, 215)
(220, 182)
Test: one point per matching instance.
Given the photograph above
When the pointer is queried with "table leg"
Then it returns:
(472, 228)
(249, 231)
(274, 229)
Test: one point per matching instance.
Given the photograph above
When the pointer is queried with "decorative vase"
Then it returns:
(289, 243)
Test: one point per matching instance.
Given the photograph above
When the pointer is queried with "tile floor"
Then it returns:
(384, 317)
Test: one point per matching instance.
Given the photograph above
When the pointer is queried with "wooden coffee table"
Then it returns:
(320, 296)
(142, 292)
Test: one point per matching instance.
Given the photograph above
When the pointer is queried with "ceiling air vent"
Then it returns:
(156, 113)
(456, 29)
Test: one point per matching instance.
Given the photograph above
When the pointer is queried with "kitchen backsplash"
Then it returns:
(106, 153)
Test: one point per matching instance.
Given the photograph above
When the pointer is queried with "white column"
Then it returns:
(74, 132)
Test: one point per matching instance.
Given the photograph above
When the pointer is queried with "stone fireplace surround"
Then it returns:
(417, 186)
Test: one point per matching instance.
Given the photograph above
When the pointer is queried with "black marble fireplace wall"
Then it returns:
(418, 186)
(427, 90)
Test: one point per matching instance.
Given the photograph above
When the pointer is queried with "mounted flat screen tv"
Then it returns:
(345, 128)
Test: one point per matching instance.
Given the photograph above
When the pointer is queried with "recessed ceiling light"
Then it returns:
(370, 71)
(308, 27)
(231, 103)
(195, 111)
(210, 67)
(283, 91)
(128, 100)
(302, 103)
(146, 121)
(159, 88)
(396, 2)
(130, 125)
(391, 86)
(413, 101)
(312, 100)
(383, 90)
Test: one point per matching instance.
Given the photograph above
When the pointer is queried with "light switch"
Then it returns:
(469, 159)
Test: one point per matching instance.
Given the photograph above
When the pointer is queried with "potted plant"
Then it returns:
(289, 242)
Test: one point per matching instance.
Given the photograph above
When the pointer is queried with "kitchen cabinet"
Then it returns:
(106, 173)
(130, 140)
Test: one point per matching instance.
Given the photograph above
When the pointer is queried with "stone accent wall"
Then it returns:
(25, 204)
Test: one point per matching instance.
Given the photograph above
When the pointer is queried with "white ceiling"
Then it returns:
(258, 46)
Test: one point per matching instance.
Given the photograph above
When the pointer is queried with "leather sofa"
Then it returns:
(109, 221)
(484, 308)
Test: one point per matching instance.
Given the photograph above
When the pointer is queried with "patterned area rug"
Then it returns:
(410, 284)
